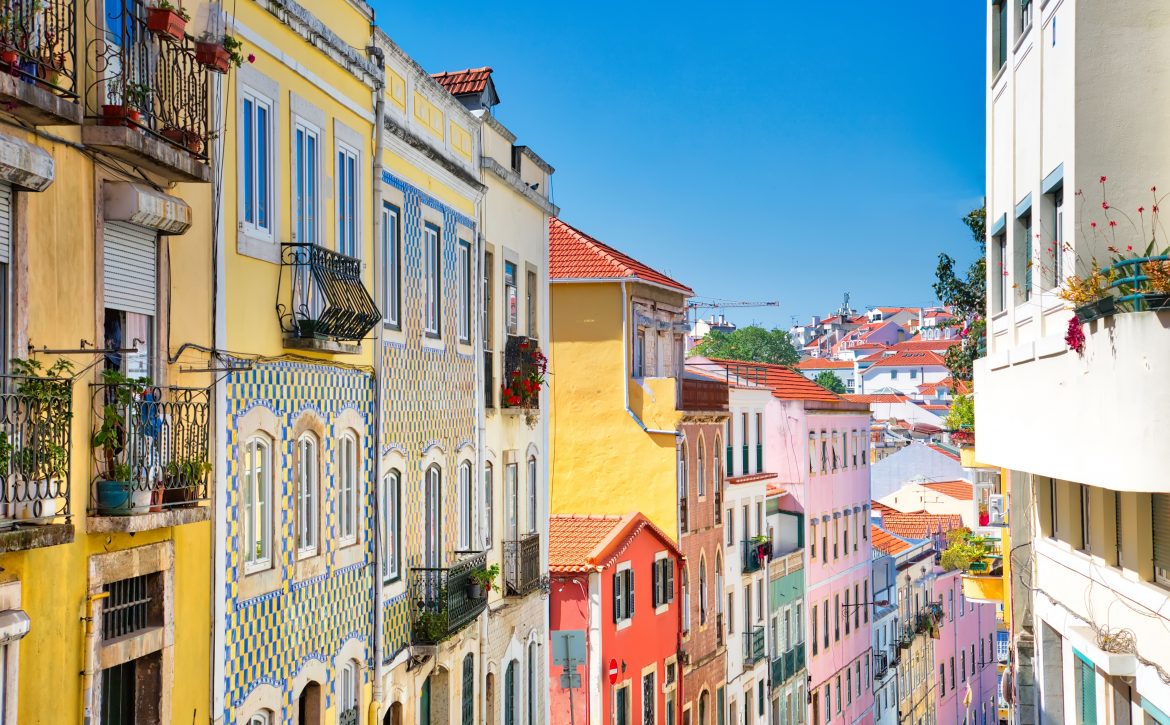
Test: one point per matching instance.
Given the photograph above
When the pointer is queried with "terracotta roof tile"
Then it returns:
(955, 489)
(917, 345)
(578, 543)
(876, 398)
(815, 363)
(885, 542)
(784, 382)
(573, 254)
(945, 452)
(460, 82)
(919, 524)
(882, 508)
(913, 358)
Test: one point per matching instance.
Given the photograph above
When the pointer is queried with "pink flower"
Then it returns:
(251, 57)
(1112, 223)
(1093, 224)
(1102, 179)
(1104, 205)
(1129, 248)
(1141, 209)
(1075, 336)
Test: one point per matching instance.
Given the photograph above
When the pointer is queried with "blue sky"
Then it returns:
(789, 151)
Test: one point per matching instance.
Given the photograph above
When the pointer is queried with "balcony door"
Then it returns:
(127, 58)
(433, 534)
(512, 501)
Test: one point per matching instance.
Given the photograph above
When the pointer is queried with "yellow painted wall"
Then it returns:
(602, 461)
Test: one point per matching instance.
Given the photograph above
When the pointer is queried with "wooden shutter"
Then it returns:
(1161, 529)
(668, 567)
(1087, 696)
(131, 268)
(617, 596)
(629, 592)
(5, 223)
(468, 690)
(656, 590)
(510, 694)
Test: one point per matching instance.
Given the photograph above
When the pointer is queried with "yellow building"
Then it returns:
(106, 227)
(617, 354)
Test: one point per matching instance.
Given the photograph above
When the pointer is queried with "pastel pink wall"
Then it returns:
(569, 609)
(970, 629)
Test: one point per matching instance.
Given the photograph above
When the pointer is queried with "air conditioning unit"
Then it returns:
(996, 510)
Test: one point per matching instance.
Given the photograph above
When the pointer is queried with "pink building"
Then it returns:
(964, 656)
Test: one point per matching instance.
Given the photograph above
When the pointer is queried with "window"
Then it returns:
(391, 515)
(836, 618)
(1053, 255)
(532, 295)
(350, 683)
(1052, 508)
(264, 717)
(951, 605)
(814, 629)
(1161, 537)
(623, 594)
(730, 613)
(759, 442)
(468, 693)
(531, 682)
(1023, 270)
(838, 694)
(466, 507)
(392, 254)
(962, 666)
(489, 312)
(510, 695)
(952, 673)
(488, 523)
(825, 622)
(348, 493)
(307, 495)
(812, 453)
(700, 472)
(512, 501)
(999, 11)
(865, 595)
(848, 686)
(942, 678)
(621, 706)
(649, 699)
(729, 524)
(718, 492)
(999, 272)
(847, 625)
(812, 540)
(845, 534)
(257, 500)
(686, 598)
(663, 581)
(702, 590)
(464, 269)
(308, 161)
(638, 364)
(532, 517)
(256, 162)
(1086, 520)
(348, 192)
(1025, 15)
(511, 300)
(433, 517)
(433, 270)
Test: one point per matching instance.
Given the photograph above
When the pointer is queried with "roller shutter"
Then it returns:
(131, 268)
(5, 223)
(1161, 527)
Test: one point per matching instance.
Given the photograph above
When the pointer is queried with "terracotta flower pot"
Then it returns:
(212, 56)
(165, 23)
(9, 57)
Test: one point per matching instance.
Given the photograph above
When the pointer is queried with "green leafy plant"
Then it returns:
(961, 419)
(121, 392)
(486, 577)
(177, 10)
(963, 549)
(827, 380)
(749, 344)
(966, 296)
(234, 48)
(45, 394)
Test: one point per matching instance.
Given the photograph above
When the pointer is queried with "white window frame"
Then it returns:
(532, 494)
(257, 514)
(249, 93)
(463, 269)
(700, 477)
(466, 499)
(308, 496)
(391, 526)
(263, 717)
(432, 279)
(349, 689)
(392, 259)
(306, 220)
(348, 490)
(349, 228)
(489, 485)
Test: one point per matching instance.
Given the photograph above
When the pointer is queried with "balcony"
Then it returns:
(152, 453)
(348, 717)
(521, 565)
(443, 605)
(754, 554)
(881, 665)
(523, 377)
(35, 415)
(702, 395)
(328, 306)
(38, 64)
(787, 665)
(753, 646)
(489, 379)
(719, 633)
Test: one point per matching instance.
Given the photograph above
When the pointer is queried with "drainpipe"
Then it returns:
(625, 372)
(379, 265)
(481, 405)
(219, 410)
(90, 655)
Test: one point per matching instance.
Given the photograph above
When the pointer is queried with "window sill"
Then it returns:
(349, 554)
(258, 583)
(147, 521)
(308, 566)
(265, 250)
(623, 624)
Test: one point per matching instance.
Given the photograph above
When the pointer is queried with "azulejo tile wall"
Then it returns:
(428, 389)
(271, 637)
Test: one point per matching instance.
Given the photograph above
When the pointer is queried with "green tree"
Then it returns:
(966, 295)
(830, 382)
(750, 344)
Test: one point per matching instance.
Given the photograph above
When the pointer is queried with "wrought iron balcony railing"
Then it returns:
(787, 665)
(881, 665)
(521, 565)
(145, 80)
(326, 298)
(719, 633)
(39, 40)
(443, 602)
(753, 645)
(489, 379)
(152, 448)
(348, 717)
(35, 416)
(523, 366)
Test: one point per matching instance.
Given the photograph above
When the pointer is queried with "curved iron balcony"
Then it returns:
(443, 601)
(326, 298)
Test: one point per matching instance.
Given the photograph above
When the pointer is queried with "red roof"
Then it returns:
(945, 452)
(882, 508)
(573, 254)
(751, 478)
(877, 398)
(885, 542)
(917, 345)
(955, 489)
(460, 82)
(814, 363)
(919, 524)
(578, 543)
(784, 382)
(910, 359)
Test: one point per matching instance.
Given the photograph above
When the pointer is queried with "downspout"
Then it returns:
(219, 495)
(481, 404)
(376, 447)
(625, 370)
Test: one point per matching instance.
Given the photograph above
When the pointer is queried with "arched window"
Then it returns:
(532, 683)
(488, 521)
(702, 590)
(686, 599)
(700, 470)
(718, 582)
(468, 704)
(264, 717)
(257, 501)
(510, 694)
(718, 493)
(532, 494)
(466, 507)
(433, 518)
(682, 487)
(391, 525)
(350, 687)
(307, 494)
(347, 490)
(704, 705)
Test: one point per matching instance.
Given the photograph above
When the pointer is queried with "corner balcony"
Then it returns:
(35, 462)
(38, 62)
(152, 457)
(753, 646)
(702, 395)
(787, 665)
(322, 302)
(148, 99)
(443, 599)
(522, 566)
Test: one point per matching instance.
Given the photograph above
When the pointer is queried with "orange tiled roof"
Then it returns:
(885, 542)
(459, 82)
(919, 524)
(910, 359)
(815, 363)
(876, 398)
(784, 382)
(573, 254)
(955, 489)
(882, 508)
(581, 543)
(945, 452)
(917, 345)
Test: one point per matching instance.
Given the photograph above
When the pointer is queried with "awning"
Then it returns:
(14, 624)
(24, 165)
(139, 204)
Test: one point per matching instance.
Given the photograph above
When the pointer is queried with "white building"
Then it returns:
(903, 371)
(1078, 95)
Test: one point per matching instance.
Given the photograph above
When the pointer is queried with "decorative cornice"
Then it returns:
(544, 165)
(513, 179)
(490, 120)
(423, 78)
(419, 144)
(320, 36)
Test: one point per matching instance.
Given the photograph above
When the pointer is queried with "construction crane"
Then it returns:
(696, 304)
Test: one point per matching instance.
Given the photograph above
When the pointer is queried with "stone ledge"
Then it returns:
(142, 149)
(320, 345)
(36, 105)
(35, 536)
(96, 524)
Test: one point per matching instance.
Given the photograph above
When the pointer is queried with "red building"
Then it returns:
(617, 578)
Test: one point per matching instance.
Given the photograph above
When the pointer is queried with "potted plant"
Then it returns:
(9, 56)
(115, 489)
(960, 420)
(1157, 272)
(218, 55)
(1089, 294)
(131, 99)
(763, 546)
(181, 480)
(167, 21)
(522, 386)
(43, 456)
(984, 515)
(482, 581)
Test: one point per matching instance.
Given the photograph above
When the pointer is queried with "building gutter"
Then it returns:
(480, 403)
(625, 372)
